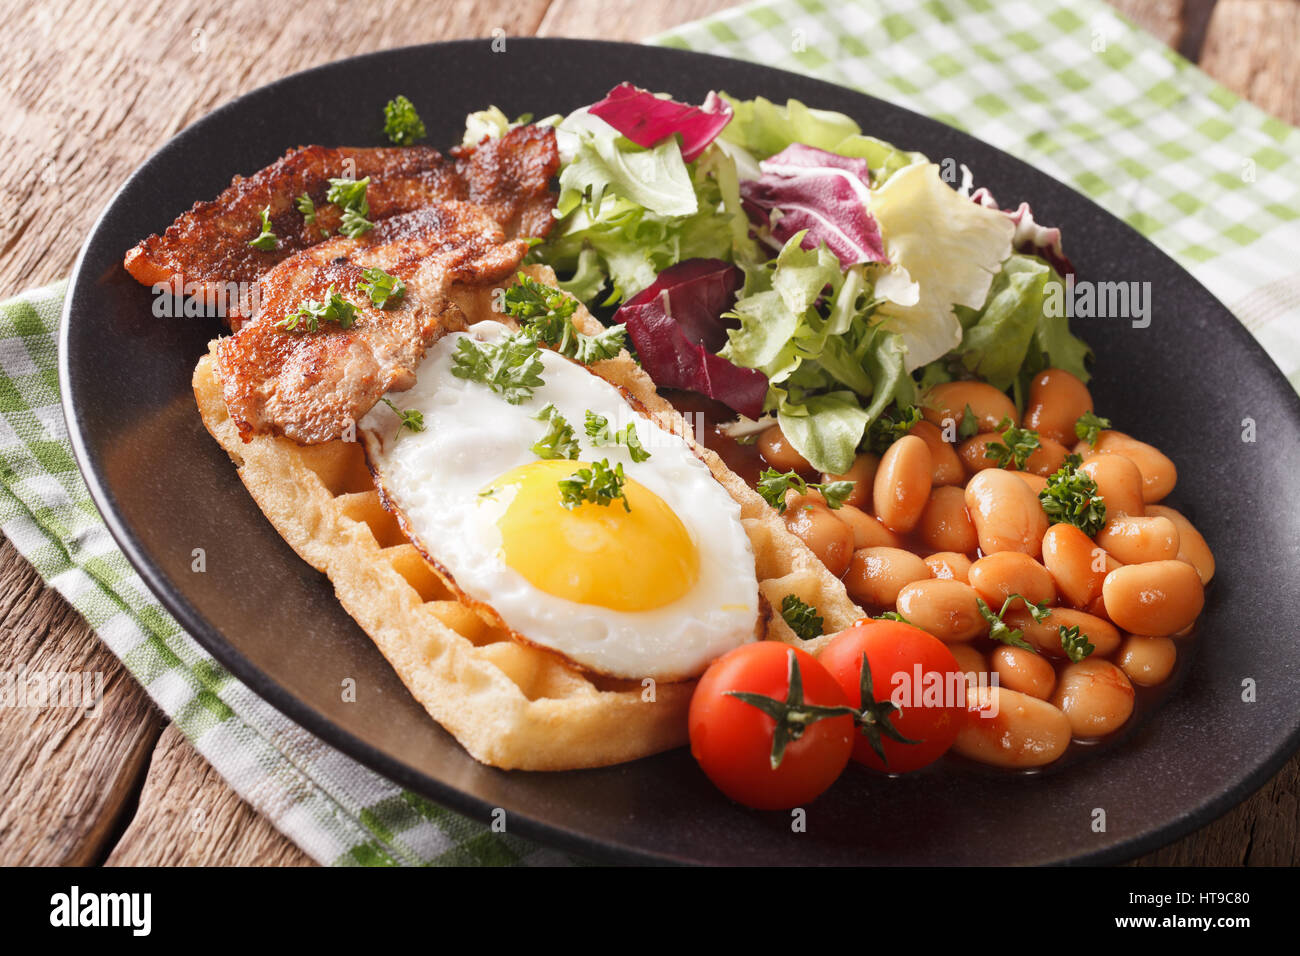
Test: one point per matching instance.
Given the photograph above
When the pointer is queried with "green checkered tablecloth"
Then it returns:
(1065, 84)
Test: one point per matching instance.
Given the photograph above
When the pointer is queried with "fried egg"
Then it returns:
(656, 583)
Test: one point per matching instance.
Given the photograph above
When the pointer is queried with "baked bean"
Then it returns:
(876, 575)
(1156, 599)
(1118, 481)
(1047, 457)
(1025, 671)
(1134, 540)
(1095, 696)
(1077, 564)
(1147, 660)
(1006, 514)
(946, 404)
(868, 532)
(1006, 728)
(902, 485)
(863, 475)
(971, 662)
(779, 453)
(945, 466)
(946, 609)
(972, 452)
(1046, 637)
(949, 565)
(998, 576)
(1036, 483)
(1056, 400)
(826, 535)
(1191, 545)
(803, 499)
(944, 524)
(1159, 475)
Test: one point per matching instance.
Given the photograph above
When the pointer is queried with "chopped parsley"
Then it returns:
(970, 424)
(597, 428)
(402, 123)
(773, 485)
(1016, 446)
(1076, 645)
(559, 441)
(1000, 630)
(307, 208)
(511, 366)
(411, 418)
(600, 484)
(887, 429)
(1089, 425)
(802, 618)
(266, 240)
(381, 287)
(310, 314)
(1071, 497)
(350, 196)
(547, 315)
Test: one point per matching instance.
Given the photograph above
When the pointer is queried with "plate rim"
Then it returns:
(393, 769)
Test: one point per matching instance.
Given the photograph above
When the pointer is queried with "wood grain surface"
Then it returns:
(90, 89)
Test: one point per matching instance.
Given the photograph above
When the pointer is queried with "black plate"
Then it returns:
(1185, 383)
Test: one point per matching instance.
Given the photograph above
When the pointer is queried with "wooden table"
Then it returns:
(90, 91)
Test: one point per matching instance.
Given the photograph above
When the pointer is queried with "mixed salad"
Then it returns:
(777, 259)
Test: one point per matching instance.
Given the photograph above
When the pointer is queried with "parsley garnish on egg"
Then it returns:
(773, 485)
(597, 428)
(547, 315)
(559, 440)
(310, 314)
(411, 418)
(266, 240)
(1071, 497)
(350, 196)
(402, 124)
(1016, 446)
(802, 618)
(511, 366)
(600, 484)
(381, 287)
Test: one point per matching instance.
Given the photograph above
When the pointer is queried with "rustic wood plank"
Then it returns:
(1163, 19)
(189, 816)
(1253, 48)
(67, 774)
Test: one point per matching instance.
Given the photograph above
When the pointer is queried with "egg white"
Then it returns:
(472, 436)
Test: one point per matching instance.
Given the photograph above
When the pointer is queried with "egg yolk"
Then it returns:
(632, 559)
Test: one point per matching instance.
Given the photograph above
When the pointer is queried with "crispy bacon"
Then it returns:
(310, 385)
(206, 249)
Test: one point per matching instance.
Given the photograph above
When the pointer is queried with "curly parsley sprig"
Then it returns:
(511, 366)
(266, 240)
(1076, 645)
(547, 315)
(1070, 497)
(1016, 446)
(600, 484)
(350, 196)
(1000, 630)
(773, 485)
(559, 440)
(402, 124)
(1089, 426)
(802, 618)
(597, 428)
(890, 427)
(381, 287)
(411, 418)
(310, 314)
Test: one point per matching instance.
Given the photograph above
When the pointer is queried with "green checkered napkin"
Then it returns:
(1065, 84)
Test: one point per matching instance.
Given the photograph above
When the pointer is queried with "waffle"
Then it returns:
(510, 704)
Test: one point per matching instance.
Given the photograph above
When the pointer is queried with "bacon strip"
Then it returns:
(310, 386)
(206, 249)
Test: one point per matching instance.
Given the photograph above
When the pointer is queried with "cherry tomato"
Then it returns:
(930, 719)
(737, 743)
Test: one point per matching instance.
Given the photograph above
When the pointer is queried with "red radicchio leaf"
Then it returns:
(803, 187)
(676, 323)
(646, 119)
(1030, 237)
